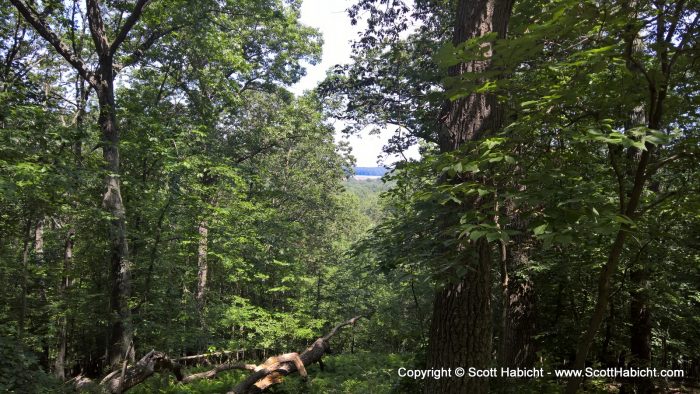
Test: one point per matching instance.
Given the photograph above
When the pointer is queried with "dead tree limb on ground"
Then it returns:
(149, 364)
(269, 373)
(274, 369)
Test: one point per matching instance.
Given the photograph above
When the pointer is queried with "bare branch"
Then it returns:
(674, 21)
(128, 25)
(658, 201)
(31, 16)
(141, 50)
(686, 37)
(341, 325)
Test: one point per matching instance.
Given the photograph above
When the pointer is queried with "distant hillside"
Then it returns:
(370, 171)
(368, 191)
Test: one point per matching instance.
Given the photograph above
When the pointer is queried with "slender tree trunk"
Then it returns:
(319, 283)
(461, 332)
(39, 257)
(202, 265)
(21, 321)
(664, 350)
(60, 363)
(154, 252)
(640, 330)
(640, 313)
(610, 267)
(517, 348)
(654, 110)
(607, 358)
(66, 279)
(41, 327)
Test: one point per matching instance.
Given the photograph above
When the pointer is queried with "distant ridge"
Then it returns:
(370, 171)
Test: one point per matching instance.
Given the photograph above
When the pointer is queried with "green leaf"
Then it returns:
(539, 230)
(476, 234)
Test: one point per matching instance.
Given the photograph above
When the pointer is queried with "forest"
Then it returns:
(174, 219)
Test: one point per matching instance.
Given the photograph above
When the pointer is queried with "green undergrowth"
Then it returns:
(344, 373)
(20, 371)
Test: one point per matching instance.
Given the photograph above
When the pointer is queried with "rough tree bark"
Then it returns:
(460, 331)
(460, 334)
(102, 81)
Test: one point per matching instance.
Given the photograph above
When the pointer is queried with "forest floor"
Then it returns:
(345, 373)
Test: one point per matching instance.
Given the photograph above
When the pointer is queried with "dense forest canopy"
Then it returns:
(174, 219)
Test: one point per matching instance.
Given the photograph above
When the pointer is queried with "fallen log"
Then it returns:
(274, 369)
(263, 376)
(149, 364)
(154, 361)
(214, 358)
(210, 374)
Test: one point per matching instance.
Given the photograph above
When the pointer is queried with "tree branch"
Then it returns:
(674, 21)
(612, 152)
(658, 201)
(97, 28)
(128, 25)
(216, 370)
(31, 16)
(149, 364)
(141, 50)
(684, 41)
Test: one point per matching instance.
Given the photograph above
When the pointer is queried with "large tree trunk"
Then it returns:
(121, 336)
(460, 332)
(461, 325)
(473, 117)
(102, 81)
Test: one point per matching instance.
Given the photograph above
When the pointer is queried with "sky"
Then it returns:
(330, 18)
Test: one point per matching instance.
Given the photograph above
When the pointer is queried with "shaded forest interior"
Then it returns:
(174, 219)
